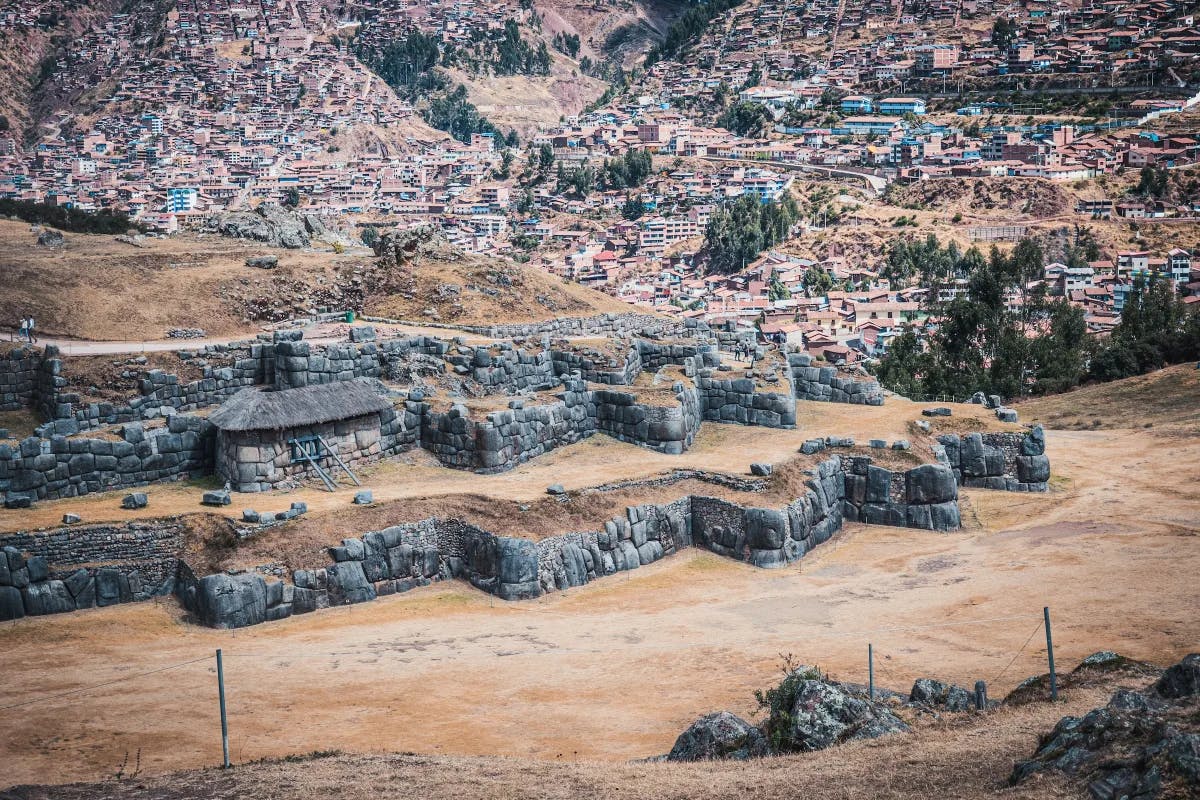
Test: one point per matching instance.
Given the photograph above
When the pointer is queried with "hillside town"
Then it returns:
(228, 106)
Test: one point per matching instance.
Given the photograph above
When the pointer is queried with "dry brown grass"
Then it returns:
(1164, 401)
(959, 756)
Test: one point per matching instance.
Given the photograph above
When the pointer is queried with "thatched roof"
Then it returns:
(258, 410)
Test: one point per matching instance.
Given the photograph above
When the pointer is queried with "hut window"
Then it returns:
(305, 447)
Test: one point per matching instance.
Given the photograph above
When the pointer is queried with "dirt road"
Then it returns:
(616, 670)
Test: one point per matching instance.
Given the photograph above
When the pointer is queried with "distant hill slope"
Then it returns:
(28, 54)
(1167, 399)
(102, 289)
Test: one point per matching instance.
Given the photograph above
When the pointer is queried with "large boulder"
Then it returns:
(1033, 469)
(1140, 745)
(11, 604)
(935, 694)
(930, 483)
(1182, 679)
(348, 583)
(1034, 442)
(231, 601)
(719, 736)
(826, 713)
(48, 597)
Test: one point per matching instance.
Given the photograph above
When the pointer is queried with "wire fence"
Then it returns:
(888, 653)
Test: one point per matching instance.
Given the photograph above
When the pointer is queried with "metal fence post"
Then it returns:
(871, 671)
(224, 719)
(1050, 654)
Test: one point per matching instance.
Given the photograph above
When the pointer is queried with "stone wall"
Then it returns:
(48, 469)
(827, 384)
(403, 557)
(924, 497)
(743, 401)
(1014, 462)
(19, 370)
(66, 569)
(667, 429)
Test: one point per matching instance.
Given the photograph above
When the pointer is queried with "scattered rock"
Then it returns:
(71, 519)
(1006, 414)
(555, 489)
(51, 238)
(761, 470)
(901, 444)
(219, 497)
(15, 501)
(363, 498)
(135, 501)
(251, 516)
(186, 333)
(263, 262)
(812, 446)
(1142, 744)
(940, 411)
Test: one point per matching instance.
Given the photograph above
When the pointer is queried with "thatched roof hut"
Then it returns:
(257, 410)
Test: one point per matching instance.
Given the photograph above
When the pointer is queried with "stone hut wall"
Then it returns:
(740, 400)
(257, 461)
(668, 429)
(19, 371)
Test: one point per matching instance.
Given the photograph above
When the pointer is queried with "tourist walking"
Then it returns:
(23, 330)
(29, 330)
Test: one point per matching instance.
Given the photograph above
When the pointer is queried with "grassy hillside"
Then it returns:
(1167, 399)
(99, 288)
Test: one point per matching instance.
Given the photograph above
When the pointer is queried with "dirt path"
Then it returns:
(615, 670)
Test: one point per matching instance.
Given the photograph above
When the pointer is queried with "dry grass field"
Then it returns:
(555, 697)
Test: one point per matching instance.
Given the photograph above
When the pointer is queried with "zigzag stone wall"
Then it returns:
(403, 557)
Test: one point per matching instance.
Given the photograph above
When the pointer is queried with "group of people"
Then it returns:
(743, 352)
(26, 329)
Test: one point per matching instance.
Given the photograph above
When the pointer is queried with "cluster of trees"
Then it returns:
(626, 172)
(1004, 32)
(454, 113)
(982, 345)
(1040, 347)
(579, 181)
(1153, 182)
(745, 119)
(567, 43)
(407, 64)
(740, 230)
(688, 28)
(515, 56)
(1155, 329)
(67, 219)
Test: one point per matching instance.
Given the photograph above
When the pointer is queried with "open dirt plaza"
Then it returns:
(613, 671)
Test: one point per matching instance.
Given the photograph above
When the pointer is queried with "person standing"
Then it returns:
(29, 328)
(23, 330)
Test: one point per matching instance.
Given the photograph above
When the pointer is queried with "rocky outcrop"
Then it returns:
(51, 238)
(719, 736)
(1142, 744)
(806, 712)
(271, 224)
